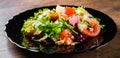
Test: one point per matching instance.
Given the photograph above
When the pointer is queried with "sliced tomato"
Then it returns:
(69, 11)
(95, 29)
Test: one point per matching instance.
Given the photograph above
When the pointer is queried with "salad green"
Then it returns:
(50, 28)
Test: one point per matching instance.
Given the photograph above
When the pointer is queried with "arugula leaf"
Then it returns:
(80, 10)
(44, 17)
(27, 25)
(102, 26)
(52, 29)
(35, 16)
(98, 19)
(43, 10)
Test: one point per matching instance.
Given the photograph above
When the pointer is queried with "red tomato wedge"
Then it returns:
(69, 11)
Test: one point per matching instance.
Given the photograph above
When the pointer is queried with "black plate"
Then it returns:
(15, 24)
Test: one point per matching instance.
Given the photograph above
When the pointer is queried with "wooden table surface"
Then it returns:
(10, 8)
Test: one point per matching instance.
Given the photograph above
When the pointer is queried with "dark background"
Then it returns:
(10, 8)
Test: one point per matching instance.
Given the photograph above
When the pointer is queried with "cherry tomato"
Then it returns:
(69, 11)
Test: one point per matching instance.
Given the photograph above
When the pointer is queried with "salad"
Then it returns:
(62, 30)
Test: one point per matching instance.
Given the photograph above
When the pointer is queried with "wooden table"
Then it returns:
(10, 8)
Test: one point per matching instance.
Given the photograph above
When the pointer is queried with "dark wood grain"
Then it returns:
(10, 8)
